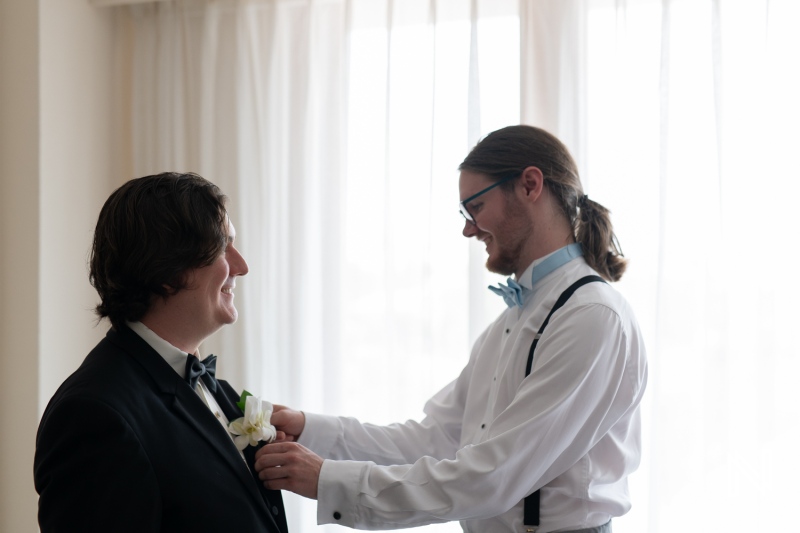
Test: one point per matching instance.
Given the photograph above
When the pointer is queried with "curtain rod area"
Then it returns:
(109, 3)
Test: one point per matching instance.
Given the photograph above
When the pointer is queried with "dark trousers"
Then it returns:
(605, 528)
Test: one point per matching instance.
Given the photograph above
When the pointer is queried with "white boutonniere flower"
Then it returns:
(254, 426)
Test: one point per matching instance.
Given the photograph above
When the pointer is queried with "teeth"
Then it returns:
(227, 290)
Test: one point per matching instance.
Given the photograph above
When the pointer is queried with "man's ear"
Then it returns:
(532, 183)
(184, 280)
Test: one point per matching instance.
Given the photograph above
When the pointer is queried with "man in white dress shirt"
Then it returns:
(541, 429)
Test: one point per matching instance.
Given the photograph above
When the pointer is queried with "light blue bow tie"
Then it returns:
(513, 294)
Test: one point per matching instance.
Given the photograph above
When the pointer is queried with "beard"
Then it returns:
(510, 239)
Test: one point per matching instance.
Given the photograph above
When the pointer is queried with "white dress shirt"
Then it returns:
(493, 436)
(176, 358)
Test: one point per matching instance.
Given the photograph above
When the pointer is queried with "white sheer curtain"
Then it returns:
(335, 126)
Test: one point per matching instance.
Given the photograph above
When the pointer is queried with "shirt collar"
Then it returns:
(547, 264)
(175, 357)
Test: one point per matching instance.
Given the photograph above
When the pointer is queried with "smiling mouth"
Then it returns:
(227, 290)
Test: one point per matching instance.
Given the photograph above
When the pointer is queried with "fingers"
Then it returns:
(280, 418)
(271, 454)
(280, 436)
(270, 450)
(289, 421)
(289, 466)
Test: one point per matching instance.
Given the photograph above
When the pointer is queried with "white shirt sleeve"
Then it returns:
(437, 435)
(580, 387)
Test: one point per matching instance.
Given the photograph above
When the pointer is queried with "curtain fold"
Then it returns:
(553, 69)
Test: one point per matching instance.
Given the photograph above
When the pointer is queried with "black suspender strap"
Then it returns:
(531, 513)
(561, 301)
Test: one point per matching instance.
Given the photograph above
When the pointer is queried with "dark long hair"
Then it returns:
(514, 148)
(150, 232)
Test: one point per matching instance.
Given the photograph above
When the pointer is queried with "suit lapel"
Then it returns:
(188, 406)
(227, 397)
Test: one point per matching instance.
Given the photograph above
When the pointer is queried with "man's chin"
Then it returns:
(500, 265)
(230, 316)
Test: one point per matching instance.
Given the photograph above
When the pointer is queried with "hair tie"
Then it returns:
(582, 200)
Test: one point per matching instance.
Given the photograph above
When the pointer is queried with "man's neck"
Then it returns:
(551, 230)
(173, 334)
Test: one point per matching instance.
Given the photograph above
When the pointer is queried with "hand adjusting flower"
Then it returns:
(254, 426)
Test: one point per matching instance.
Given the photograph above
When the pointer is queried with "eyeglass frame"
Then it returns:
(462, 206)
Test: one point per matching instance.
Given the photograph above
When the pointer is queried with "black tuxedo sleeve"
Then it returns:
(92, 473)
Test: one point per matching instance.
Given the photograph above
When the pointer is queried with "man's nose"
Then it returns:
(469, 230)
(241, 267)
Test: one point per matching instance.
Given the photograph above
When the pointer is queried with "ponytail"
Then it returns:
(601, 249)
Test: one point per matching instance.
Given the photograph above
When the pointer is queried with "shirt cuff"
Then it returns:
(320, 433)
(338, 490)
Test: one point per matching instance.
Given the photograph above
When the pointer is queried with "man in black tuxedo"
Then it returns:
(126, 443)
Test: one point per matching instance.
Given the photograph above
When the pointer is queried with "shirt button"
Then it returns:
(508, 331)
(337, 515)
(275, 510)
(483, 426)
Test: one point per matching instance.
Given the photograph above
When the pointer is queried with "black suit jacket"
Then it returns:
(126, 445)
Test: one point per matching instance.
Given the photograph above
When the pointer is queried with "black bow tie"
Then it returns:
(195, 369)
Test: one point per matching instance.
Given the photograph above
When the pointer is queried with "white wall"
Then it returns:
(62, 150)
(19, 260)
(79, 168)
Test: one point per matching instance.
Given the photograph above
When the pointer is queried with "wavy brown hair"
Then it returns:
(150, 232)
(514, 148)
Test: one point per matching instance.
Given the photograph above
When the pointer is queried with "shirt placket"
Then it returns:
(506, 343)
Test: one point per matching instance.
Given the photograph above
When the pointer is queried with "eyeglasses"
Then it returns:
(463, 205)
